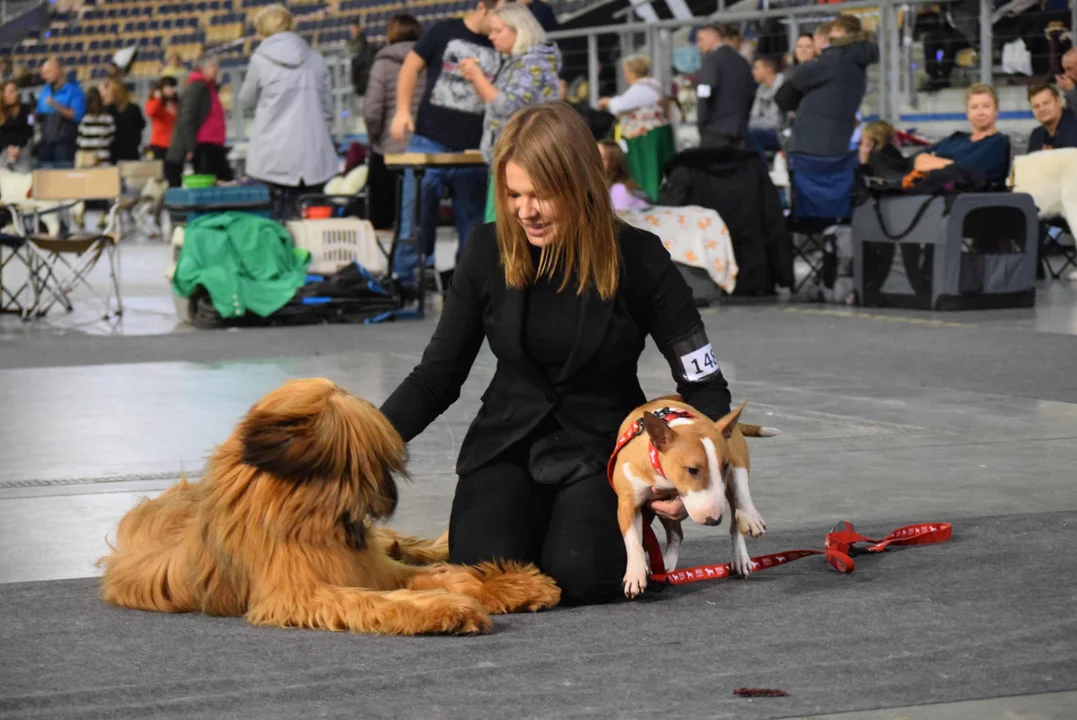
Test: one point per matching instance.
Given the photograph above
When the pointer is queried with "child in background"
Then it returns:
(625, 194)
(96, 132)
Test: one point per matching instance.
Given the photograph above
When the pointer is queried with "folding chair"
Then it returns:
(59, 264)
(1053, 233)
(143, 195)
(15, 291)
(820, 196)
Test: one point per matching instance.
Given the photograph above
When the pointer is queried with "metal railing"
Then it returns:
(893, 87)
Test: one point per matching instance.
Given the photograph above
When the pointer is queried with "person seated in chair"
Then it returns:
(1058, 125)
(984, 149)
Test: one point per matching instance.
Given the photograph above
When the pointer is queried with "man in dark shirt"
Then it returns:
(449, 120)
(726, 89)
(1058, 125)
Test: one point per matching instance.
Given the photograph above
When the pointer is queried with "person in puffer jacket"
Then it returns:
(201, 128)
(379, 104)
(826, 93)
(529, 76)
(288, 84)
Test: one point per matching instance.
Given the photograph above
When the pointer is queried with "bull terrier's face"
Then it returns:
(694, 456)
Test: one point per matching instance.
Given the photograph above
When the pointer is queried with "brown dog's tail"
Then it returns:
(410, 549)
(757, 430)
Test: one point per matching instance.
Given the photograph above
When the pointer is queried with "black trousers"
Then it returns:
(381, 193)
(206, 159)
(568, 530)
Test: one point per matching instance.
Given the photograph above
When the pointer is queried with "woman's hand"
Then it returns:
(470, 70)
(672, 509)
(604, 103)
(926, 162)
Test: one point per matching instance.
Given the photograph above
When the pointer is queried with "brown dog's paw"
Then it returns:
(456, 614)
(516, 587)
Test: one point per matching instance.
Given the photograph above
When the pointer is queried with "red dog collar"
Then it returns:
(636, 429)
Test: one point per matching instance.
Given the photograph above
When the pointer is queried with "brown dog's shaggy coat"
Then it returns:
(280, 531)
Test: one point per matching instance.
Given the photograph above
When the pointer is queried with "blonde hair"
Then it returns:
(121, 97)
(553, 145)
(528, 31)
(880, 133)
(981, 89)
(638, 65)
(273, 19)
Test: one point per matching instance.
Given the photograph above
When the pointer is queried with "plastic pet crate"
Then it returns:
(336, 242)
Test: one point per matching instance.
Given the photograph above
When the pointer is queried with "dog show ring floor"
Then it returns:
(887, 419)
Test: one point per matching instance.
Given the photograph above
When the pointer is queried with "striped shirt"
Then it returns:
(95, 135)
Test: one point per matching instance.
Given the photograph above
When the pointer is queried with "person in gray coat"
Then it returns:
(826, 93)
(725, 91)
(379, 104)
(290, 148)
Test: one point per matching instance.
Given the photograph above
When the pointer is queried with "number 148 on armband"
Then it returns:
(699, 363)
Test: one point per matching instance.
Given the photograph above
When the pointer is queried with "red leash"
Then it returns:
(838, 548)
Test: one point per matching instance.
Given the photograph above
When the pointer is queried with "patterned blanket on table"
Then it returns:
(694, 236)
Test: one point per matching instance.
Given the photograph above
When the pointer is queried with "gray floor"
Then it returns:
(886, 417)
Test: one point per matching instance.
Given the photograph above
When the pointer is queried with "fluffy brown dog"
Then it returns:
(280, 531)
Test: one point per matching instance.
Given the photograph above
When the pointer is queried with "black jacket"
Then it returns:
(826, 94)
(194, 106)
(1065, 134)
(127, 142)
(596, 388)
(726, 103)
(16, 130)
(736, 184)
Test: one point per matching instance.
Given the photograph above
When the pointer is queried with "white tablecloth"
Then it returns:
(694, 236)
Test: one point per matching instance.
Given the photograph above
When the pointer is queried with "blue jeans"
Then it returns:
(56, 154)
(468, 187)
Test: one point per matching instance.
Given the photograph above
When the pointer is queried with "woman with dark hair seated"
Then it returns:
(984, 149)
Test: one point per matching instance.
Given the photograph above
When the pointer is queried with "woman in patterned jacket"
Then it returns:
(529, 76)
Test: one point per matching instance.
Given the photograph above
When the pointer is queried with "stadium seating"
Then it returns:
(86, 40)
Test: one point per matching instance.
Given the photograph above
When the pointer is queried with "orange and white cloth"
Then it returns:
(694, 236)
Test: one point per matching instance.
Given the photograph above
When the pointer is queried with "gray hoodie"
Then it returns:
(290, 141)
(765, 113)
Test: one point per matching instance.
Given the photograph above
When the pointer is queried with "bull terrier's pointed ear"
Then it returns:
(661, 434)
(729, 421)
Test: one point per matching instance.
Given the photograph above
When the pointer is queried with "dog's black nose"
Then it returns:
(712, 521)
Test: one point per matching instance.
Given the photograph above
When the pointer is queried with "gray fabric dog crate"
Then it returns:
(946, 252)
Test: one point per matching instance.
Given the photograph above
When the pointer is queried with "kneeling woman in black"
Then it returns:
(566, 294)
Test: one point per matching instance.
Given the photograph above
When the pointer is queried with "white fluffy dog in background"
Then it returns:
(1050, 177)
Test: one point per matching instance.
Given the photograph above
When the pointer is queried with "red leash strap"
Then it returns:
(839, 549)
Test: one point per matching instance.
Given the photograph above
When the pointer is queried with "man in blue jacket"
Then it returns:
(60, 107)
